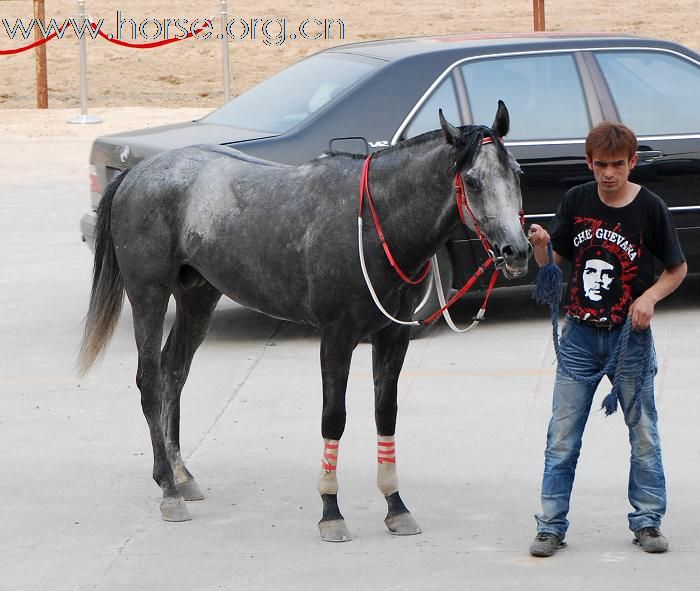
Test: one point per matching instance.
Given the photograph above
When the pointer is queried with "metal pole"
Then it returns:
(538, 14)
(42, 84)
(223, 13)
(83, 117)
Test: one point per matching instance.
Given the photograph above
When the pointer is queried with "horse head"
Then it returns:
(490, 177)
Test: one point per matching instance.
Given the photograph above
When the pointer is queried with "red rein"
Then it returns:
(462, 204)
(364, 190)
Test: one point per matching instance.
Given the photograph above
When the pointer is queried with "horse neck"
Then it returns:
(414, 196)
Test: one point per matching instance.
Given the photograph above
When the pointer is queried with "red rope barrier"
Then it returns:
(106, 37)
(121, 43)
(28, 47)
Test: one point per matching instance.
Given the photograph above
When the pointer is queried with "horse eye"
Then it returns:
(471, 183)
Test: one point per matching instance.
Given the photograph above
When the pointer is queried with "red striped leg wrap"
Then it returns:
(330, 455)
(387, 479)
(386, 451)
(327, 481)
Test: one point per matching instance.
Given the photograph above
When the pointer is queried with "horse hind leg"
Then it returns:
(195, 304)
(388, 352)
(149, 305)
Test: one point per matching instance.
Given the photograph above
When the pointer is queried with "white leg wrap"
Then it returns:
(328, 481)
(387, 478)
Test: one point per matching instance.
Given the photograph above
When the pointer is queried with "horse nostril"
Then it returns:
(508, 251)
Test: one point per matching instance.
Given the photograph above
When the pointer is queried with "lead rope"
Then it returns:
(444, 305)
(548, 291)
(370, 287)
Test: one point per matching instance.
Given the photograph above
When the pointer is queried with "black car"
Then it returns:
(366, 96)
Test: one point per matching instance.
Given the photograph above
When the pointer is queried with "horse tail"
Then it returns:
(107, 295)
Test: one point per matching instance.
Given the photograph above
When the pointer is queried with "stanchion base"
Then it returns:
(85, 119)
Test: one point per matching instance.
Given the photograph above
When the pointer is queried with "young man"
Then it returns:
(610, 230)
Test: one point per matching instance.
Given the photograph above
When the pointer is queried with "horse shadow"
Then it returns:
(232, 322)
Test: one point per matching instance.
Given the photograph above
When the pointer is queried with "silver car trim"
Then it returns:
(676, 209)
(571, 50)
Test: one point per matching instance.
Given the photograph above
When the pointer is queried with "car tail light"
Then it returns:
(94, 181)
(95, 189)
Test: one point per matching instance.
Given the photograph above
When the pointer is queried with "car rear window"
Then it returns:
(427, 118)
(289, 97)
(543, 94)
(656, 93)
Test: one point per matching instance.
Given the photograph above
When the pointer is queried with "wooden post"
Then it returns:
(42, 85)
(538, 14)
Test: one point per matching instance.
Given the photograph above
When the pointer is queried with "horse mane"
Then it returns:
(468, 145)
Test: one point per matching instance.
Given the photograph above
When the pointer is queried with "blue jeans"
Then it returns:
(585, 351)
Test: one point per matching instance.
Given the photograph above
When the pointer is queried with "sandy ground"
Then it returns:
(189, 73)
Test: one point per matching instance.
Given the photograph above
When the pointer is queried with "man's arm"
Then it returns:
(642, 309)
(539, 238)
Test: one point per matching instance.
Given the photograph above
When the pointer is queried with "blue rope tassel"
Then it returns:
(549, 282)
(548, 288)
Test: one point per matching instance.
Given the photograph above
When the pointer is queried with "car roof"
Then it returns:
(396, 49)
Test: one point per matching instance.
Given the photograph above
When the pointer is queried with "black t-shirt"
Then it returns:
(612, 250)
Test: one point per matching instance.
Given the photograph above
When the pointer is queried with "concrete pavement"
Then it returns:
(79, 509)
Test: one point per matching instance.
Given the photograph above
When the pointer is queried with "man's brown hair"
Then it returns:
(611, 138)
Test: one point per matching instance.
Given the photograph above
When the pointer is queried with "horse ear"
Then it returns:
(451, 132)
(501, 124)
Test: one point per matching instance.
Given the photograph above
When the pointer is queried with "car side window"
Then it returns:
(543, 94)
(427, 119)
(656, 93)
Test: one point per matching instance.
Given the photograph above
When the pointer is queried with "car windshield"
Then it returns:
(289, 97)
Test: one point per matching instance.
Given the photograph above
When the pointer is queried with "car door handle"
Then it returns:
(649, 155)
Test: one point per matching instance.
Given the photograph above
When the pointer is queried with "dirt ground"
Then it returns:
(189, 73)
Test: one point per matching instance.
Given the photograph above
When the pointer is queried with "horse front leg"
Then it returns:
(336, 354)
(389, 348)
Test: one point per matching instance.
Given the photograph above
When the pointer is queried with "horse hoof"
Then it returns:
(402, 524)
(190, 490)
(174, 509)
(334, 530)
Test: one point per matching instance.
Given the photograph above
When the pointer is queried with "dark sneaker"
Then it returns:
(650, 539)
(546, 544)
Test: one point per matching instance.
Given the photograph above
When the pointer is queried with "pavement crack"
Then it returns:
(238, 387)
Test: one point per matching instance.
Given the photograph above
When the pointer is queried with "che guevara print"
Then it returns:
(603, 266)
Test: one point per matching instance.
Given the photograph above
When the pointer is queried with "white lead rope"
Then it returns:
(441, 298)
(435, 279)
(369, 283)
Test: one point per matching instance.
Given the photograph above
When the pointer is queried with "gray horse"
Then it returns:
(203, 221)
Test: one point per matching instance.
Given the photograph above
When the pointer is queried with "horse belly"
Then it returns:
(253, 269)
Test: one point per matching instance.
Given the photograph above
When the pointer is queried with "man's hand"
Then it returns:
(539, 238)
(641, 310)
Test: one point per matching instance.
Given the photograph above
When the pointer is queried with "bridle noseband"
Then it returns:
(462, 206)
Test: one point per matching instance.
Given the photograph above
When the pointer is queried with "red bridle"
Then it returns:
(462, 205)
(364, 190)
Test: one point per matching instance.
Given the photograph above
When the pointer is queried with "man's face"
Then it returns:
(597, 278)
(611, 171)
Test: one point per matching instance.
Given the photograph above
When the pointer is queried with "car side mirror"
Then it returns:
(352, 145)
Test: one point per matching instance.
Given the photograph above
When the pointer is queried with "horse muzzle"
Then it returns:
(511, 261)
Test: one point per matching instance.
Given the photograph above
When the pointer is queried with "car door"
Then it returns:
(552, 104)
(656, 93)
(552, 108)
